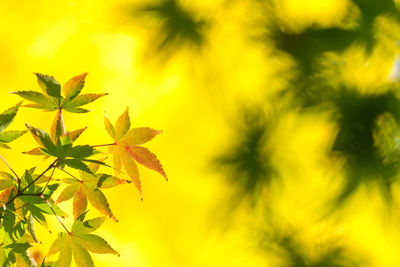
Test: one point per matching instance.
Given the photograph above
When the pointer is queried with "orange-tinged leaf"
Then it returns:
(109, 127)
(5, 194)
(140, 135)
(80, 203)
(75, 134)
(146, 158)
(133, 172)
(36, 152)
(94, 167)
(74, 86)
(123, 124)
(116, 151)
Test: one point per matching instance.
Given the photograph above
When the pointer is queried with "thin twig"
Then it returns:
(48, 180)
(40, 175)
(29, 194)
(16, 175)
(24, 205)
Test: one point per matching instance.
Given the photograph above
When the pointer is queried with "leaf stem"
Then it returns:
(58, 218)
(112, 144)
(70, 174)
(62, 121)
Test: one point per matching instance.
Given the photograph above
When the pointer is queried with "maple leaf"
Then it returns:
(87, 188)
(79, 242)
(60, 145)
(5, 120)
(51, 98)
(126, 150)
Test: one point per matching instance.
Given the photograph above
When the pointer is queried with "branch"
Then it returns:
(19, 193)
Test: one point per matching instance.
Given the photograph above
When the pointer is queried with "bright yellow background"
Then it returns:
(192, 98)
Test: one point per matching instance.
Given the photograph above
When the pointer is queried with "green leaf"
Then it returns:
(81, 256)
(92, 224)
(40, 99)
(56, 245)
(45, 208)
(80, 151)
(82, 100)
(96, 244)
(8, 116)
(9, 136)
(97, 199)
(57, 128)
(74, 86)
(43, 139)
(77, 110)
(65, 258)
(77, 164)
(78, 242)
(38, 215)
(38, 106)
(107, 181)
(2, 145)
(7, 176)
(19, 247)
(31, 229)
(49, 85)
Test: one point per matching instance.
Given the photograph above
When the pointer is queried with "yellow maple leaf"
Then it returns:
(126, 149)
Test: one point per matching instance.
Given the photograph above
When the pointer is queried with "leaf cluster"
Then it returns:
(27, 200)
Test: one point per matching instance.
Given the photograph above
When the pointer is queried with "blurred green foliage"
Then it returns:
(366, 119)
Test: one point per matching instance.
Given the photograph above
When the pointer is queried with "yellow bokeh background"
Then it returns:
(192, 97)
